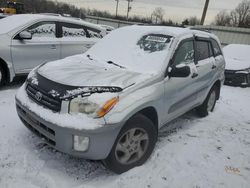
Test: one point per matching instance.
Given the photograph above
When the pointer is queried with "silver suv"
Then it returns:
(31, 39)
(109, 103)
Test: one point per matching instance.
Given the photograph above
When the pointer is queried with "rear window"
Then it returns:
(216, 48)
(153, 42)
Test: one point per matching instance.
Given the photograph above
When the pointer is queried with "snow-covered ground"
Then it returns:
(208, 152)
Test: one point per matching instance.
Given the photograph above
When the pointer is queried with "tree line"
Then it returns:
(239, 17)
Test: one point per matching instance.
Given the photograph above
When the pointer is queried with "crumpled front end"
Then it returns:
(77, 135)
(237, 78)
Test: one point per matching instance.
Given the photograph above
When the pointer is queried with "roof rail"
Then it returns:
(199, 29)
(50, 14)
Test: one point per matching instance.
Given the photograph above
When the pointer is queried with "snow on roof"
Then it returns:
(23, 19)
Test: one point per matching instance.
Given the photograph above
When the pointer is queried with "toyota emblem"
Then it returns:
(38, 96)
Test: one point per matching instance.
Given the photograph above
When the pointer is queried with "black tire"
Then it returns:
(203, 110)
(2, 76)
(137, 122)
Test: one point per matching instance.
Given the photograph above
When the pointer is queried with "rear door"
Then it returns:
(43, 47)
(75, 39)
(205, 65)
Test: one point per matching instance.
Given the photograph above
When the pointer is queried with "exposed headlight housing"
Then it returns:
(84, 106)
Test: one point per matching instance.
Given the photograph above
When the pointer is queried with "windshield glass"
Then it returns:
(135, 48)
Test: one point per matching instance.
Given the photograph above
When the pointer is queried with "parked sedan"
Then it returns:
(237, 65)
(109, 103)
(31, 39)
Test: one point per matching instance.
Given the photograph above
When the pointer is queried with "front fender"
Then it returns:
(131, 103)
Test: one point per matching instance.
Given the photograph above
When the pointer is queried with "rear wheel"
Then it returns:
(2, 76)
(209, 104)
(133, 145)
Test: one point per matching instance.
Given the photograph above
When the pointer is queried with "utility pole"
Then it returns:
(204, 12)
(116, 11)
(129, 7)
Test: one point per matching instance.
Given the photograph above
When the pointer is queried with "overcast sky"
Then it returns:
(176, 10)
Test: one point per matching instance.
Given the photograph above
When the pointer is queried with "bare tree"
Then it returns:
(241, 15)
(223, 18)
(194, 20)
(157, 15)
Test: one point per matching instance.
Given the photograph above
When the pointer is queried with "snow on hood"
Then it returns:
(237, 56)
(81, 71)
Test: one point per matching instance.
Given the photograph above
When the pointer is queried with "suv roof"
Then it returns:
(23, 19)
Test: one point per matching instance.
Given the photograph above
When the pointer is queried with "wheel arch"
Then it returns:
(6, 69)
(218, 85)
(151, 113)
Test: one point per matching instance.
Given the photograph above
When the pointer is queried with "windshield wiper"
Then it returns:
(111, 62)
(90, 58)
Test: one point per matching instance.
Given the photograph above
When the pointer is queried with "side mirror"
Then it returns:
(25, 35)
(180, 71)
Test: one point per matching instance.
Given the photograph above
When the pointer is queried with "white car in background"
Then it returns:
(29, 40)
(237, 71)
(107, 28)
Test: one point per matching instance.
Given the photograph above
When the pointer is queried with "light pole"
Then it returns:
(204, 12)
(129, 7)
(116, 11)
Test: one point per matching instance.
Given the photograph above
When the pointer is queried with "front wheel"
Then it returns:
(209, 103)
(133, 145)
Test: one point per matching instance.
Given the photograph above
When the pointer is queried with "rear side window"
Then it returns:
(73, 30)
(216, 48)
(203, 51)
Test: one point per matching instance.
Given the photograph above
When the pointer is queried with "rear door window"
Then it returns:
(93, 33)
(202, 49)
(73, 30)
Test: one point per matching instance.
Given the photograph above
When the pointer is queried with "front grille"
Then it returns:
(45, 99)
(37, 127)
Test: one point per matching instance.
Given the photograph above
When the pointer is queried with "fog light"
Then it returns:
(81, 143)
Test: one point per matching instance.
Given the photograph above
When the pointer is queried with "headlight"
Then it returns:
(82, 105)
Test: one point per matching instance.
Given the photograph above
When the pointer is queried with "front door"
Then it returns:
(43, 47)
(181, 93)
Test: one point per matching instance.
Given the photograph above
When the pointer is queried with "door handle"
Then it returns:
(88, 45)
(195, 75)
(53, 47)
(214, 67)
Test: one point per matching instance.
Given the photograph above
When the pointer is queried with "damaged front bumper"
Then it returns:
(237, 78)
(99, 141)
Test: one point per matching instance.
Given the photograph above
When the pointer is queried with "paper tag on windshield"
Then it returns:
(156, 39)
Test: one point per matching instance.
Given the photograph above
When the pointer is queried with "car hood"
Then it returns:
(81, 71)
(236, 64)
